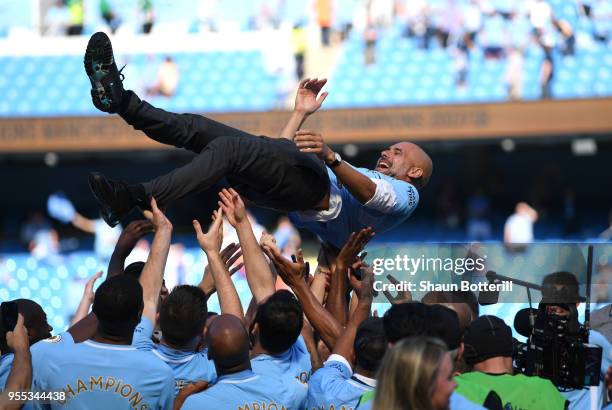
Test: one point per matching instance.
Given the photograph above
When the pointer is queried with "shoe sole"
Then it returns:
(99, 51)
(99, 56)
(97, 191)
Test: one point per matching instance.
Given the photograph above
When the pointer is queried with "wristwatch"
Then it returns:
(337, 160)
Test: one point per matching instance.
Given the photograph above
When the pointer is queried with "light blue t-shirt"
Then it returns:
(295, 362)
(458, 402)
(188, 367)
(392, 203)
(334, 386)
(581, 399)
(103, 376)
(247, 390)
(6, 361)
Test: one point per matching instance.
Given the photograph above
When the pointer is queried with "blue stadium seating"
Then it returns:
(212, 81)
(405, 74)
(238, 81)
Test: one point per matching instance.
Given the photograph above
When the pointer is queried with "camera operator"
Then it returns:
(560, 289)
(488, 348)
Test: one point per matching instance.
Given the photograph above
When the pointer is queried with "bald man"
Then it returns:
(237, 385)
(296, 173)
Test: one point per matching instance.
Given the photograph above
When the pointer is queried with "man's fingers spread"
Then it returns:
(236, 268)
(234, 258)
(197, 226)
(228, 250)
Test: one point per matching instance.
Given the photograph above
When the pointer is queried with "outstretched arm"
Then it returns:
(210, 243)
(293, 274)
(359, 185)
(20, 376)
(306, 103)
(153, 271)
(336, 299)
(230, 254)
(258, 273)
(86, 328)
(127, 240)
(365, 294)
(84, 224)
(87, 299)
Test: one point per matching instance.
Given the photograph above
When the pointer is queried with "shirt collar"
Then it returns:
(243, 375)
(169, 354)
(365, 380)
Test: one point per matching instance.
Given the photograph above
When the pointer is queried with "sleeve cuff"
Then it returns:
(384, 198)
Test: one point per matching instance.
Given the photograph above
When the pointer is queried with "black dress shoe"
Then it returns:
(114, 198)
(106, 81)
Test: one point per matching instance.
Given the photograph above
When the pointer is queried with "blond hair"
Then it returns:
(408, 373)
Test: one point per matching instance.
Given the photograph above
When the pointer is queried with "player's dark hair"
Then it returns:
(370, 344)
(134, 269)
(118, 305)
(280, 320)
(406, 320)
(183, 314)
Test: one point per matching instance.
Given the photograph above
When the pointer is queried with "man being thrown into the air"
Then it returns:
(297, 172)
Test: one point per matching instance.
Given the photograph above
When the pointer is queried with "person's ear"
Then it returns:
(253, 331)
(415, 172)
(200, 344)
(460, 352)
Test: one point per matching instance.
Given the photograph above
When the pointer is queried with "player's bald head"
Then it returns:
(228, 342)
(406, 161)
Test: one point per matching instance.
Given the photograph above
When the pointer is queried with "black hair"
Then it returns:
(406, 319)
(183, 314)
(134, 269)
(370, 344)
(118, 305)
(458, 296)
(280, 320)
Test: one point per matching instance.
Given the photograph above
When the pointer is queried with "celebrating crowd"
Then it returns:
(317, 346)
(315, 343)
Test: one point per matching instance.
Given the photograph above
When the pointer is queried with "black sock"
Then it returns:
(139, 196)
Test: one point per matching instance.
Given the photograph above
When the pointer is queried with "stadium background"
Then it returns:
(464, 79)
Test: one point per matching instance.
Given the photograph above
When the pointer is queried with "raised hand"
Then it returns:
(353, 246)
(232, 206)
(211, 240)
(364, 288)
(229, 255)
(88, 293)
(132, 234)
(267, 239)
(401, 297)
(17, 339)
(312, 142)
(290, 271)
(157, 217)
(306, 101)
